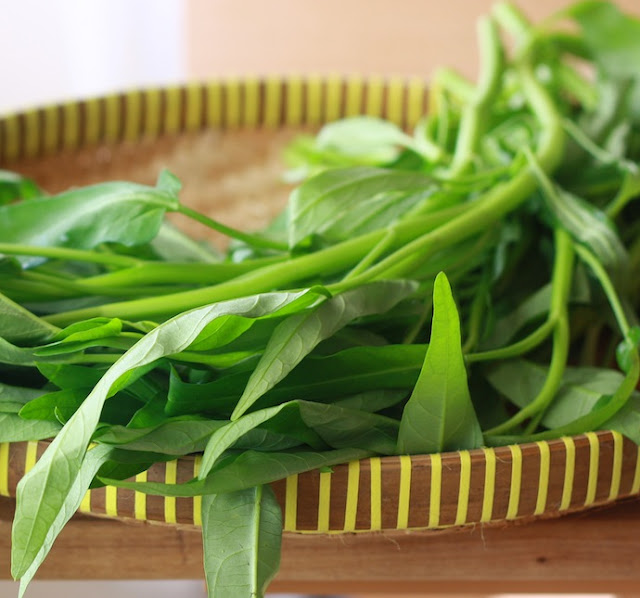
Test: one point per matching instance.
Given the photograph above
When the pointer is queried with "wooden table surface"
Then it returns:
(584, 552)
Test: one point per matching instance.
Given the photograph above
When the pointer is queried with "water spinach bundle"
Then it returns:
(470, 283)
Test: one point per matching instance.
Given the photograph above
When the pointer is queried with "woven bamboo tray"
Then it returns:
(224, 140)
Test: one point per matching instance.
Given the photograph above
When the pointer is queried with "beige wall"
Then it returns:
(404, 37)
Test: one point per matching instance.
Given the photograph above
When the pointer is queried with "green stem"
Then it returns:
(78, 288)
(497, 202)
(326, 262)
(475, 116)
(151, 273)
(476, 318)
(530, 342)
(594, 420)
(561, 285)
(415, 329)
(252, 240)
(381, 247)
(607, 286)
(64, 253)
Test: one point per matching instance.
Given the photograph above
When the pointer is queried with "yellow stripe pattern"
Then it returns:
(324, 501)
(435, 490)
(594, 464)
(71, 132)
(333, 99)
(85, 505)
(111, 118)
(197, 500)
(4, 469)
(375, 97)
(434, 468)
(50, 129)
(415, 101)
(32, 133)
(489, 485)
(376, 493)
(153, 103)
(133, 116)
(465, 488)
(12, 133)
(543, 479)
(291, 504)
(616, 473)
(251, 103)
(232, 103)
(353, 487)
(395, 107)
(272, 103)
(140, 499)
(516, 482)
(635, 485)
(170, 477)
(355, 87)
(111, 501)
(404, 495)
(193, 116)
(91, 121)
(569, 472)
(31, 456)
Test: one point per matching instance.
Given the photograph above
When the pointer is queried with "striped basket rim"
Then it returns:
(437, 491)
(271, 103)
(390, 493)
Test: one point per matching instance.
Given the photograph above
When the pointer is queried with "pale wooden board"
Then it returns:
(578, 553)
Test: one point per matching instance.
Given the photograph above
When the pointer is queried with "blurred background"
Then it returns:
(75, 49)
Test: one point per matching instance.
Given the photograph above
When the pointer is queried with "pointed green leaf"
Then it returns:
(55, 473)
(439, 415)
(296, 336)
(242, 534)
(341, 202)
(18, 325)
(72, 498)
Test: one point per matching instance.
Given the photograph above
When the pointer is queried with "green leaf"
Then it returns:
(242, 534)
(531, 309)
(82, 335)
(323, 379)
(250, 468)
(13, 186)
(53, 406)
(22, 356)
(55, 473)
(15, 429)
(340, 203)
(373, 400)
(176, 437)
(19, 325)
(296, 336)
(614, 41)
(373, 139)
(338, 427)
(582, 392)
(172, 245)
(116, 212)
(13, 398)
(626, 350)
(221, 332)
(588, 225)
(67, 376)
(439, 415)
(46, 535)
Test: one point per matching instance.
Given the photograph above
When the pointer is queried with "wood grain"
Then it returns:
(580, 552)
